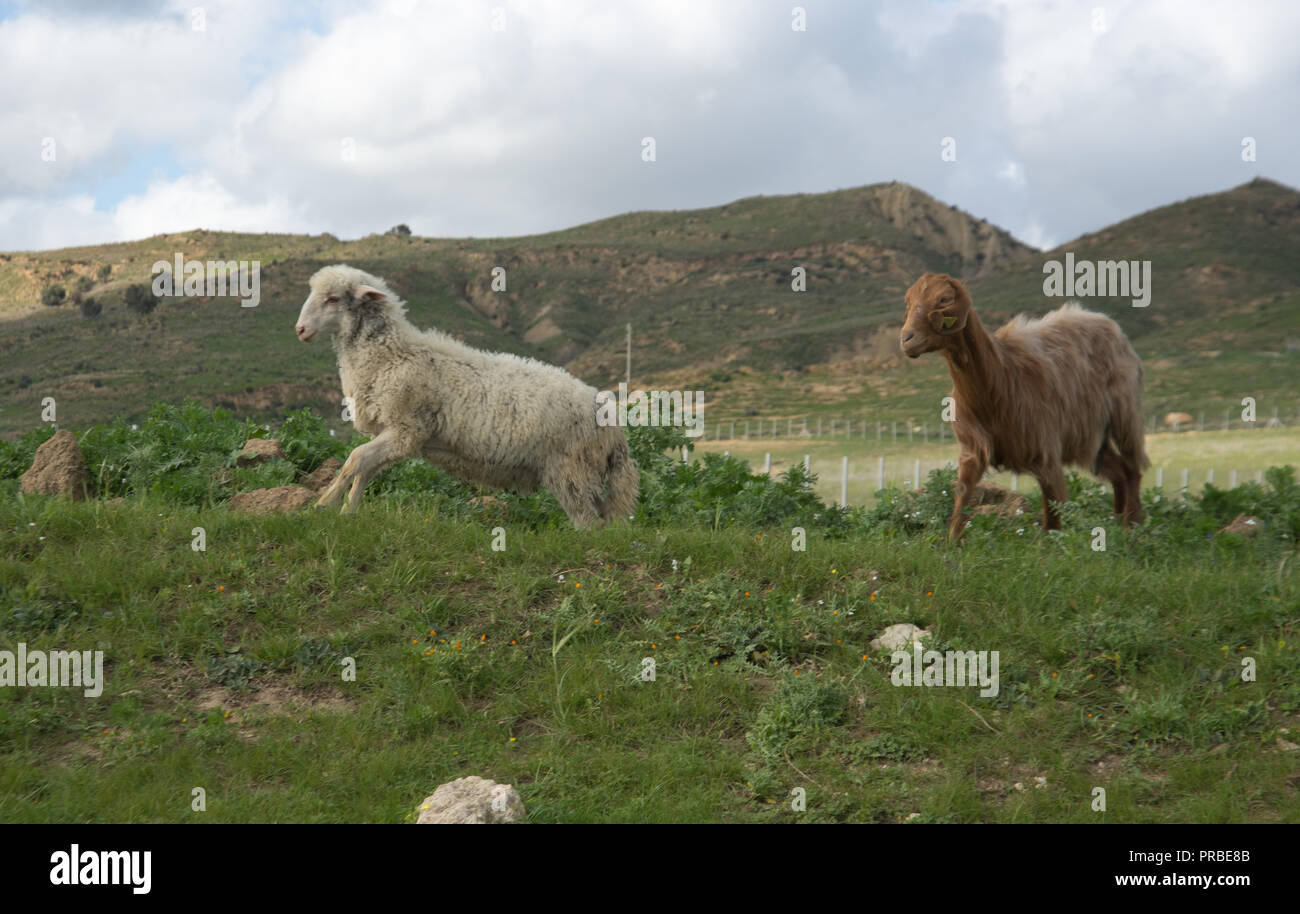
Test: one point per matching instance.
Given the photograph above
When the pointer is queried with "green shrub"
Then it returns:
(140, 299)
(802, 709)
(53, 295)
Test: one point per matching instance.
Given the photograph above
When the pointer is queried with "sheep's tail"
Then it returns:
(622, 481)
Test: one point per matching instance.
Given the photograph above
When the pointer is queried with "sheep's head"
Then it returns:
(338, 294)
(938, 308)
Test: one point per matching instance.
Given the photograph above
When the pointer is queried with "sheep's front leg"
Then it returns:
(970, 470)
(362, 464)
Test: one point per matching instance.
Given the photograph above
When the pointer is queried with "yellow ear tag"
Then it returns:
(948, 321)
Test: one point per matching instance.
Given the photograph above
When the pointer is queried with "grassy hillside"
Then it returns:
(1224, 319)
(708, 293)
(680, 277)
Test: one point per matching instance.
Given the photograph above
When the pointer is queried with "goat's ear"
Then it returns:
(366, 293)
(952, 319)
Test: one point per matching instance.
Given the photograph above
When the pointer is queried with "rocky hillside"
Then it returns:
(708, 293)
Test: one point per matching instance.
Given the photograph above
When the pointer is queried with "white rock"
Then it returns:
(899, 637)
(472, 801)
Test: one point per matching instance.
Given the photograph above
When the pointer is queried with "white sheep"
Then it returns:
(485, 417)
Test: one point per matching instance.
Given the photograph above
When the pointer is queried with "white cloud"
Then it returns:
(200, 201)
(460, 129)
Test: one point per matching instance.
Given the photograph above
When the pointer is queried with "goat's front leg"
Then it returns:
(360, 467)
(1051, 482)
(970, 470)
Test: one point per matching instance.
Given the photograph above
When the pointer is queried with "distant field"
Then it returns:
(1247, 451)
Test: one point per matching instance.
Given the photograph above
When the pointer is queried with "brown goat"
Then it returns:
(1038, 395)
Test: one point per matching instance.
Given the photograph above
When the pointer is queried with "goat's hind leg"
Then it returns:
(1110, 467)
(1132, 497)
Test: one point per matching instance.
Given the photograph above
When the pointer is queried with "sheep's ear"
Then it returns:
(367, 293)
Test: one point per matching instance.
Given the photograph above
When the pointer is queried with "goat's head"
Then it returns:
(336, 293)
(938, 308)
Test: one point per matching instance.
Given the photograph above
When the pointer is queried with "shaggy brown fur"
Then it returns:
(1035, 397)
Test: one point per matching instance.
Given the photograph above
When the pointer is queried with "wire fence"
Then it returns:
(911, 431)
(854, 481)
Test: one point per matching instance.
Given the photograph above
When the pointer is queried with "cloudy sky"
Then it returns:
(506, 117)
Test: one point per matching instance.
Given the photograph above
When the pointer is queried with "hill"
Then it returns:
(707, 291)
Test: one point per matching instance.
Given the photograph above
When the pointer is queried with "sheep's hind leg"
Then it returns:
(567, 482)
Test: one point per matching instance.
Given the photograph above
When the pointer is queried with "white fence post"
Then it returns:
(1184, 485)
(1209, 476)
(1015, 482)
(916, 476)
(1160, 477)
(807, 464)
(1232, 479)
(767, 464)
(880, 473)
(844, 483)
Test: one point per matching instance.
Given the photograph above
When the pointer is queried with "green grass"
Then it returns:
(1120, 669)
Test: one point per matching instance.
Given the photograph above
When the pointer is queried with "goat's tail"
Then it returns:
(1126, 431)
(622, 480)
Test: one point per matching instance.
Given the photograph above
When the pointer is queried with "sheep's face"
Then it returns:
(938, 308)
(322, 312)
(332, 298)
